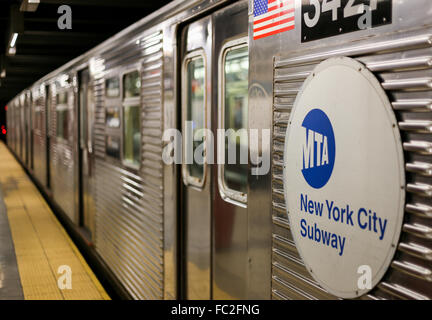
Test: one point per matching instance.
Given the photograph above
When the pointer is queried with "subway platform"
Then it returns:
(38, 260)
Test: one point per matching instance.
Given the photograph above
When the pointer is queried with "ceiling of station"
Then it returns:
(41, 46)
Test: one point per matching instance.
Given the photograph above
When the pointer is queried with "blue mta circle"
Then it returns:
(318, 149)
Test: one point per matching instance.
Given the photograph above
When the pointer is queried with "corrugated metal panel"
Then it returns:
(52, 128)
(62, 159)
(405, 70)
(20, 122)
(129, 206)
(99, 117)
(39, 136)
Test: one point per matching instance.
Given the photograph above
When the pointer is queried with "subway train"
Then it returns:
(335, 198)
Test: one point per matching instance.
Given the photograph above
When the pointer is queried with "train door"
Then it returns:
(20, 128)
(31, 125)
(17, 128)
(230, 182)
(23, 127)
(214, 78)
(24, 132)
(27, 130)
(48, 107)
(196, 187)
(86, 109)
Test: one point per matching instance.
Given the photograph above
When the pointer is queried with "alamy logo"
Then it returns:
(318, 149)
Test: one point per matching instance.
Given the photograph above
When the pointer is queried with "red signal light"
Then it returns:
(5, 108)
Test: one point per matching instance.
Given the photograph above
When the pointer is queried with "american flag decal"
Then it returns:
(272, 17)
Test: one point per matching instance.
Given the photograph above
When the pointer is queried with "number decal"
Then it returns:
(352, 10)
(326, 18)
(311, 22)
(332, 5)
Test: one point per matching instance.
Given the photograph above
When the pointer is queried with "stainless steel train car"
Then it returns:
(91, 135)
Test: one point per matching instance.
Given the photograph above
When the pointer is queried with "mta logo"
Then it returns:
(318, 148)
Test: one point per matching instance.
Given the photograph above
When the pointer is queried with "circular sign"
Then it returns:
(344, 177)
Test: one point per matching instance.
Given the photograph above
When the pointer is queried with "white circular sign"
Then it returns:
(344, 177)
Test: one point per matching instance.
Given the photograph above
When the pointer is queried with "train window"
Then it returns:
(195, 114)
(63, 123)
(233, 113)
(113, 117)
(132, 135)
(131, 85)
(131, 119)
(62, 98)
(64, 120)
(112, 87)
(37, 118)
(113, 146)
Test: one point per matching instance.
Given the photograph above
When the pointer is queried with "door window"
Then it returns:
(131, 118)
(112, 87)
(113, 117)
(233, 117)
(64, 119)
(195, 103)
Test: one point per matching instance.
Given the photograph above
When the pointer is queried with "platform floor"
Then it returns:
(39, 244)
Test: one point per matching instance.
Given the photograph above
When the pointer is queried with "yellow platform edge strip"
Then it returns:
(41, 243)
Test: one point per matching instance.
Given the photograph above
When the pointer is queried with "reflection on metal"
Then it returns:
(423, 168)
(412, 84)
(39, 133)
(390, 46)
(129, 222)
(413, 105)
(418, 126)
(421, 189)
(419, 209)
(401, 64)
(2, 276)
(29, 5)
(415, 249)
(62, 144)
(420, 231)
(231, 263)
(196, 210)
